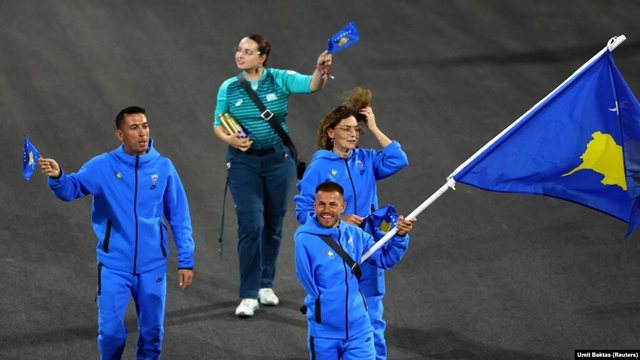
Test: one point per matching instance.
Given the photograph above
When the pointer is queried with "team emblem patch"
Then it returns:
(333, 172)
(118, 175)
(154, 181)
(360, 165)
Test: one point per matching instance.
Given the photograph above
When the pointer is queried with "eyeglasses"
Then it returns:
(245, 52)
(351, 129)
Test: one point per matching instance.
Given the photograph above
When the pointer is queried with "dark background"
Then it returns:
(487, 275)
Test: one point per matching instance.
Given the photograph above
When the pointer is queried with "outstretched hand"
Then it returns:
(49, 167)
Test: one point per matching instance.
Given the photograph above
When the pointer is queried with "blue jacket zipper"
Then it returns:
(353, 187)
(346, 282)
(135, 214)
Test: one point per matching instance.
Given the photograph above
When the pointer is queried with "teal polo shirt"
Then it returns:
(273, 88)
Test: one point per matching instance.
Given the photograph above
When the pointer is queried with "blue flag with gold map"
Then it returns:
(344, 38)
(581, 144)
(380, 221)
(30, 157)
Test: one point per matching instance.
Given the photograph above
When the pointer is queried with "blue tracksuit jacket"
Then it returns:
(336, 308)
(130, 196)
(357, 174)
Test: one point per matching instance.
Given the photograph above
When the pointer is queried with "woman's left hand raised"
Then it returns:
(371, 117)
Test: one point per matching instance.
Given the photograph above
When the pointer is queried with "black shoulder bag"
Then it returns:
(267, 115)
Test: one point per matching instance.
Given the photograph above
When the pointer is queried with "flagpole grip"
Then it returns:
(449, 185)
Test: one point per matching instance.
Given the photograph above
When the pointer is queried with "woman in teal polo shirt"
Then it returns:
(261, 166)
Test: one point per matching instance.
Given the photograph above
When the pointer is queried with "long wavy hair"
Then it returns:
(356, 99)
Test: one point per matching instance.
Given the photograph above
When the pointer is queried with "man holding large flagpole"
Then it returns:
(327, 250)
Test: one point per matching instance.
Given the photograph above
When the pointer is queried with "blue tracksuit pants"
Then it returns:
(358, 348)
(375, 310)
(260, 188)
(149, 291)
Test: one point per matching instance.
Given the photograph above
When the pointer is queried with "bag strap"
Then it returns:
(355, 267)
(267, 115)
(224, 201)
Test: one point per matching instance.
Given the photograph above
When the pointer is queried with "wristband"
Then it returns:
(324, 73)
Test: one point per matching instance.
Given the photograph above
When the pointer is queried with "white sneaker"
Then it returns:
(247, 308)
(268, 297)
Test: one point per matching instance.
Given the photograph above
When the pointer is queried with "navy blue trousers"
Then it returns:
(260, 188)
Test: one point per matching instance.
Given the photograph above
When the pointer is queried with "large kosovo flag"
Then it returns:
(581, 144)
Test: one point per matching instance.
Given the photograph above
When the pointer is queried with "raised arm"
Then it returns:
(321, 73)
(371, 124)
(49, 167)
(69, 187)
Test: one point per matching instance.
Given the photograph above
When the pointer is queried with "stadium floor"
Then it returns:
(487, 275)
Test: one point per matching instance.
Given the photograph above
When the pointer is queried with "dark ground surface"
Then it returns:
(487, 276)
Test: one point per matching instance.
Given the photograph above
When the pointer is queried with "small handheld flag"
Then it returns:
(30, 156)
(344, 38)
(380, 221)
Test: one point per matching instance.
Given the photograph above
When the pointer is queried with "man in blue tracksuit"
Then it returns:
(133, 187)
(357, 170)
(339, 325)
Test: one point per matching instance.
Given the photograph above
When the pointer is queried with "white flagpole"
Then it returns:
(611, 45)
(449, 185)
